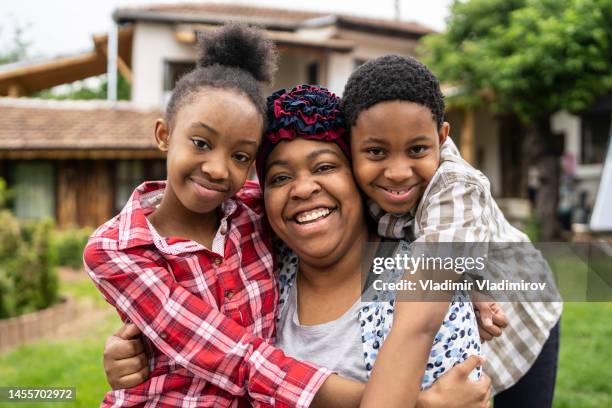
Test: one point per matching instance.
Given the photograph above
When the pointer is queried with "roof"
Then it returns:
(188, 34)
(52, 125)
(27, 77)
(270, 18)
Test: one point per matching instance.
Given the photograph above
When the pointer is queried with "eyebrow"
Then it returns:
(310, 156)
(316, 153)
(420, 138)
(277, 163)
(216, 133)
(376, 140)
(205, 126)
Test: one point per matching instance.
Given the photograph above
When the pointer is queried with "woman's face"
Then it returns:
(312, 201)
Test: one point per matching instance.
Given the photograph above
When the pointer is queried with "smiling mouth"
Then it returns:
(217, 189)
(307, 217)
(398, 191)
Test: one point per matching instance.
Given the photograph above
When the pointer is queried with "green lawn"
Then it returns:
(585, 360)
(74, 362)
(584, 379)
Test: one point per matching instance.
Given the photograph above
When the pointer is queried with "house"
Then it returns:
(75, 161)
(313, 47)
(157, 44)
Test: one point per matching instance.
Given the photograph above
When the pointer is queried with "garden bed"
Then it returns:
(20, 330)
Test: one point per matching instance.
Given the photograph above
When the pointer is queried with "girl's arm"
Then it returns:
(125, 368)
(195, 334)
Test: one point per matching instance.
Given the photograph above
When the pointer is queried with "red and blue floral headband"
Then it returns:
(307, 111)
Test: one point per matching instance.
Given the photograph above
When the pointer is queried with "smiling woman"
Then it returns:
(312, 201)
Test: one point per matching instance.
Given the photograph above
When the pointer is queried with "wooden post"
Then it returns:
(15, 90)
(468, 146)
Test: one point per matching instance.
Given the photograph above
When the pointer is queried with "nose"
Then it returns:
(398, 170)
(303, 188)
(216, 168)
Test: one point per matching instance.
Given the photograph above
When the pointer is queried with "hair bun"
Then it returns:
(238, 45)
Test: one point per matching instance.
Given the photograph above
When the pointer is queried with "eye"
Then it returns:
(278, 179)
(375, 152)
(324, 167)
(420, 149)
(201, 144)
(242, 157)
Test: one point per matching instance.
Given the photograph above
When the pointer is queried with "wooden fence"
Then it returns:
(23, 329)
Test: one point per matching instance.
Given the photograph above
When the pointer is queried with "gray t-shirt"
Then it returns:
(335, 345)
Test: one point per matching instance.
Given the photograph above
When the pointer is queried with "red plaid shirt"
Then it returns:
(208, 316)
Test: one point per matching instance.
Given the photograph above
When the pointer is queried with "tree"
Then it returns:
(17, 48)
(528, 58)
(80, 90)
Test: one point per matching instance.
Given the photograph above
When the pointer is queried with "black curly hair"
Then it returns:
(236, 57)
(389, 78)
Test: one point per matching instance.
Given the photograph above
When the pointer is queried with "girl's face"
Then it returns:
(210, 147)
(312, 201)
(396, 151)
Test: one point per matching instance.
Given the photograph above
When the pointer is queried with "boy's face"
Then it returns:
(210, 148)
(396, 151)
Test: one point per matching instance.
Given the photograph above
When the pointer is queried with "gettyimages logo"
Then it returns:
(504, 272)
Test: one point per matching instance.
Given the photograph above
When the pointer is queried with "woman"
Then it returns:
(315, 208)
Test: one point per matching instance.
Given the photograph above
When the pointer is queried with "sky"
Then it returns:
(61, 27)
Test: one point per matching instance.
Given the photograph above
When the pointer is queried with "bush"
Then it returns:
(69, 246)
(28, 276)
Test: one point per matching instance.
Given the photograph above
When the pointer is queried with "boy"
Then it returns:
(417, 183)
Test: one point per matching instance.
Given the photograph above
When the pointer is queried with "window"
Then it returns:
(173, 71)
(312, 73)
(129, 174)
(595, 136)
(359, 62)
(34, 187)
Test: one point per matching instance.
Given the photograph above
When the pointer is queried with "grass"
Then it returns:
(584, 378)
(72, 362)
(585, 359)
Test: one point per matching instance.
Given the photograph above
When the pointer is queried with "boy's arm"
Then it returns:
(196, 335)
(400, 365)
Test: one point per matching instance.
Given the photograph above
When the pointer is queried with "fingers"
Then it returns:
(491, 320)
(470, 364)
(127, 331)
(485, 387)
(128, 366)
(499, 316)
(118, 349)
(131, 380)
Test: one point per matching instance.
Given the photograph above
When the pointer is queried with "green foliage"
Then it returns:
(534, 56)
(69, 246)
(28, 277)
(80, 90)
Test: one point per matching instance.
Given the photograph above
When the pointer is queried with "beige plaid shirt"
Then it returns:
(457, 206)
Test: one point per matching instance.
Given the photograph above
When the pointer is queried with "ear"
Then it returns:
(162, 134)
(443, 132)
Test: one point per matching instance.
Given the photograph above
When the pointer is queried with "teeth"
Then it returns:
(312, 215)
(396, 192)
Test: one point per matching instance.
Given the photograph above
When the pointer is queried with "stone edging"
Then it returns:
(20, 330)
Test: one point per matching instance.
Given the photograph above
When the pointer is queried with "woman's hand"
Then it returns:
(455, 390)
(125, 363)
